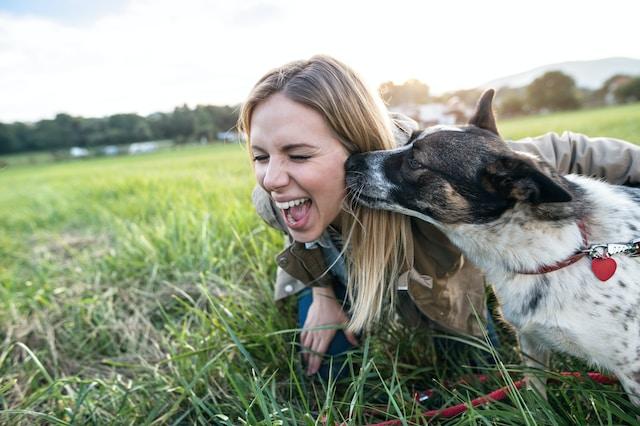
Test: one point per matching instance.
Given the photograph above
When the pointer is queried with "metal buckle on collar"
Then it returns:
(635, 251)
(599, 251)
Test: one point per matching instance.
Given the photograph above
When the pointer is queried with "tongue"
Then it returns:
(298, 212)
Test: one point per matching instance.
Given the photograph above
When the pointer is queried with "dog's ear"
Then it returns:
(521, 179)
(403, 127)
(483, 116)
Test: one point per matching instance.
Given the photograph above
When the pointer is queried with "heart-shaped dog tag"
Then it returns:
(603, 267)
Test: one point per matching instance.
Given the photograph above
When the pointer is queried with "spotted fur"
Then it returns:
(508, 213)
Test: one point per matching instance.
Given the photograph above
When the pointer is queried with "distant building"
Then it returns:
(142, 147)
(229, 136)
(110, 150)
(78, 152)
(454, 111)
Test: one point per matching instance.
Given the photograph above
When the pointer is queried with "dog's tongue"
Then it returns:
(298, 212)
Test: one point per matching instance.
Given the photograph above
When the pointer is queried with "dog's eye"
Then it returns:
(413, 163)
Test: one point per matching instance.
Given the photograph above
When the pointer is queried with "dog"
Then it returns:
(560, 251)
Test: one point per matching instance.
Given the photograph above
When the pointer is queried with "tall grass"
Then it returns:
(138, 290)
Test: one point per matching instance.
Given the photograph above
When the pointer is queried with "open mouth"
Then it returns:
(296, 212)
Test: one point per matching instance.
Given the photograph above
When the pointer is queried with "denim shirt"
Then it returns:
(331, 244)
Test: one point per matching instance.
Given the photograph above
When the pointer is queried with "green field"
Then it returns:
(621, 122)
(137, 290)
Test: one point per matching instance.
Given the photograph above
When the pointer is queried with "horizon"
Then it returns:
(143, 57)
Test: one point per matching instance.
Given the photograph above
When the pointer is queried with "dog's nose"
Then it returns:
(355, 162)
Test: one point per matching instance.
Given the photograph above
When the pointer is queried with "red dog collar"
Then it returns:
(569, 261)
(602, 265)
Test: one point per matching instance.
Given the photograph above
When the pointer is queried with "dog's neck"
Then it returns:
(524, 238)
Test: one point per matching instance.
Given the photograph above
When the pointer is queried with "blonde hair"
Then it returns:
(377, 242)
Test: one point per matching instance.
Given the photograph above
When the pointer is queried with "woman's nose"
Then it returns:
(275, 177)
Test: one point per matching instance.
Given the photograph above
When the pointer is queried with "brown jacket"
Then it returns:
(443, 286)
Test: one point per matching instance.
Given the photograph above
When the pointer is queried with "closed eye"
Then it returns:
(260, 158)
(299, 157)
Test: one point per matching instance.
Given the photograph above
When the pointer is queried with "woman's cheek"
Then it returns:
(259, 174)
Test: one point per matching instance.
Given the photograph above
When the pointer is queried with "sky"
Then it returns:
(95, 58)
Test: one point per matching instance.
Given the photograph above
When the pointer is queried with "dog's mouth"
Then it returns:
(370, 201)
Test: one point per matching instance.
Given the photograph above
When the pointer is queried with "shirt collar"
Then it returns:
(323, 241)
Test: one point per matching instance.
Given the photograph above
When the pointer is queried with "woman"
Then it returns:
(302, 121)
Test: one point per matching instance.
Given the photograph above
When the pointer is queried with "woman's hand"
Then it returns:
(325, 310)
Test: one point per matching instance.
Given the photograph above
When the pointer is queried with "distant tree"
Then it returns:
(225, 117)
(204, 123)
(68, 129)
(511, 106)
(605, 94)
(629, 91)
(183, 124)
(554, 91)
(126, 128)
(24, 134)
(410, 92)
(8, 141)
(160, 124)
(65, 131)
(48, 135)
(468, 97)
(94, 131)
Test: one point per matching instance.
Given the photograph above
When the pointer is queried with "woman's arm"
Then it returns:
(615, 160)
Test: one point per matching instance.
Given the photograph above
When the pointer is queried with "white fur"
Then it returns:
(577, 313)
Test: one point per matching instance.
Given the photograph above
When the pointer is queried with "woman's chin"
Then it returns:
(305, 236)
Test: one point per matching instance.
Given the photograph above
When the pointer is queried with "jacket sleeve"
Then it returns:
(614, 160)
(286, 284)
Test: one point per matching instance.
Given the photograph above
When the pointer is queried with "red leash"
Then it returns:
(496, 395)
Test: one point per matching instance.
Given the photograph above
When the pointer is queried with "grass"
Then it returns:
(621, 122)
(137, 290)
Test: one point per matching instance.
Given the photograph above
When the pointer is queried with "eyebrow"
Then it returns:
(287, 147)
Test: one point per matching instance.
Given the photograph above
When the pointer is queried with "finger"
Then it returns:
(304, 339)
(324, 340)
(318, 349)
(351, 337)
(313, 365)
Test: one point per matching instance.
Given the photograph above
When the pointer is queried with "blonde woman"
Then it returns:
(302, 121)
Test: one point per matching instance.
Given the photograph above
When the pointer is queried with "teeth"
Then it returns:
(288, 204)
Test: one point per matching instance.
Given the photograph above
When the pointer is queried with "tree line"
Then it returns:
(553, 91)
(65, 131)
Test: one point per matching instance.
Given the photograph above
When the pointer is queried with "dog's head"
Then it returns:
(454, 174)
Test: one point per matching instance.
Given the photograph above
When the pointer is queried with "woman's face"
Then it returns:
(300, 163)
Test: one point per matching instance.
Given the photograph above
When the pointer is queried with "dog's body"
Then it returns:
(513, 216)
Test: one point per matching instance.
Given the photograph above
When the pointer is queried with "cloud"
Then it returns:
(150, 56)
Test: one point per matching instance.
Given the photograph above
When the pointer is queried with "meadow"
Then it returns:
(138, 290)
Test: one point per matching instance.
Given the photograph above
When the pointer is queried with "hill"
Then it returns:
(588, 74)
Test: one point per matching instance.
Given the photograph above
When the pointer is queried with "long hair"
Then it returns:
(377, 243)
